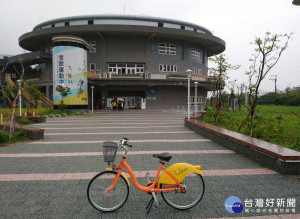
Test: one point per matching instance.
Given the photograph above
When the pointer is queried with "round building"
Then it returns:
(143, 60)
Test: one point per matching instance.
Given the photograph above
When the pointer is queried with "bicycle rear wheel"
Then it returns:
(97, 192)
(194, 191)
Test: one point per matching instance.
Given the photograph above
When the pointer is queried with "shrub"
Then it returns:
(38, 111)
(42, 111)
(4, 137)
(62, 106)
(24, 121)
(68, 112)
(20, 136)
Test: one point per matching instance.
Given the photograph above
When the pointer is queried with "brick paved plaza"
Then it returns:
(49, 178)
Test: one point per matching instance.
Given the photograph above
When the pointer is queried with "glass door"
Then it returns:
(129, 102)
(130, 70)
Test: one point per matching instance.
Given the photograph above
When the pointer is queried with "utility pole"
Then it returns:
(275, 81)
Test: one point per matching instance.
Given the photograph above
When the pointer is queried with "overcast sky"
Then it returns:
(237, 22)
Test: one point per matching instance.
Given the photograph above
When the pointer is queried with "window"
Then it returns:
(166, 49)
(121, 68)
(140, 69)
(90, 22)
(67, 23)
(161, 67)
(93, 44)
(167, 68)
(182, 27)
(92, 67)
(197, 70)
(160, 24)
(112, 70)
(196, 54)
(52, 25)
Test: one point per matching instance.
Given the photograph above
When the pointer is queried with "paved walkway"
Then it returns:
(48, 178)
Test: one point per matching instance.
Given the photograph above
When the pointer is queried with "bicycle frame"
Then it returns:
(124, 164)
(172, 181)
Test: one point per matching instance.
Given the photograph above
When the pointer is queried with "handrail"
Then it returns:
(28, 96)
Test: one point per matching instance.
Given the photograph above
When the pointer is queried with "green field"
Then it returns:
(282, 125)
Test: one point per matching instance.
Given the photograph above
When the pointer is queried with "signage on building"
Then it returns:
(70, 70)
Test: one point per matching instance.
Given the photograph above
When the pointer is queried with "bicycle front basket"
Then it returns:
(109, 151)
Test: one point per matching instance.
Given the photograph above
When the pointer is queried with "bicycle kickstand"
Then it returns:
(153, 199)
(149, 206)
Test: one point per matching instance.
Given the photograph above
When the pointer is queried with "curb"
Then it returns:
(283, 160)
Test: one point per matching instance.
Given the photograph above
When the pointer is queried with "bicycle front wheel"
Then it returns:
(97, 192)
(194, 191)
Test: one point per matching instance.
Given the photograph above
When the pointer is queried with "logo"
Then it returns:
(180, 171)
(233, 205)
(152, 91)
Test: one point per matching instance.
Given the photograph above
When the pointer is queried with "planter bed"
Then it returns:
(36, 119)
(32, 132)
(283, 160)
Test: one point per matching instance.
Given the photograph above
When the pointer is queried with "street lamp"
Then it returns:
(195, 98)
(20, 95)
(92, 87)
(189, 76)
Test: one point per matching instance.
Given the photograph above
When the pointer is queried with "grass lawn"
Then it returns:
(282, 125)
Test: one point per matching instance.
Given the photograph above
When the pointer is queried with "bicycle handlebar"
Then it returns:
(124, 142)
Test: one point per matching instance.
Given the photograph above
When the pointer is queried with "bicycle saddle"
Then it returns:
(163, 156)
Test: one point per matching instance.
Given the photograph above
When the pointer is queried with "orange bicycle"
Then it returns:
(181, 184)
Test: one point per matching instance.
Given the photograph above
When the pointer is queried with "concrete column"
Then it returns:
(47, 91)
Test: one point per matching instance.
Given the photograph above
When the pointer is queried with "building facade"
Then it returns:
(143, 60)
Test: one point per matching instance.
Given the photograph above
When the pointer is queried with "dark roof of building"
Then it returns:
(81, 26)
(296, 2)
(120, 17)
(27, 58)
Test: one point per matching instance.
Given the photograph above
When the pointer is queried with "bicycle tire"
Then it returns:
(195, 188)
(99, 199)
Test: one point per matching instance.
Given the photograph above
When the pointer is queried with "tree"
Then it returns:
(219, 74)
(64, 91)
(290, 96)
(240, 97)
(34, 94)
(12, 100)
(267, 52)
